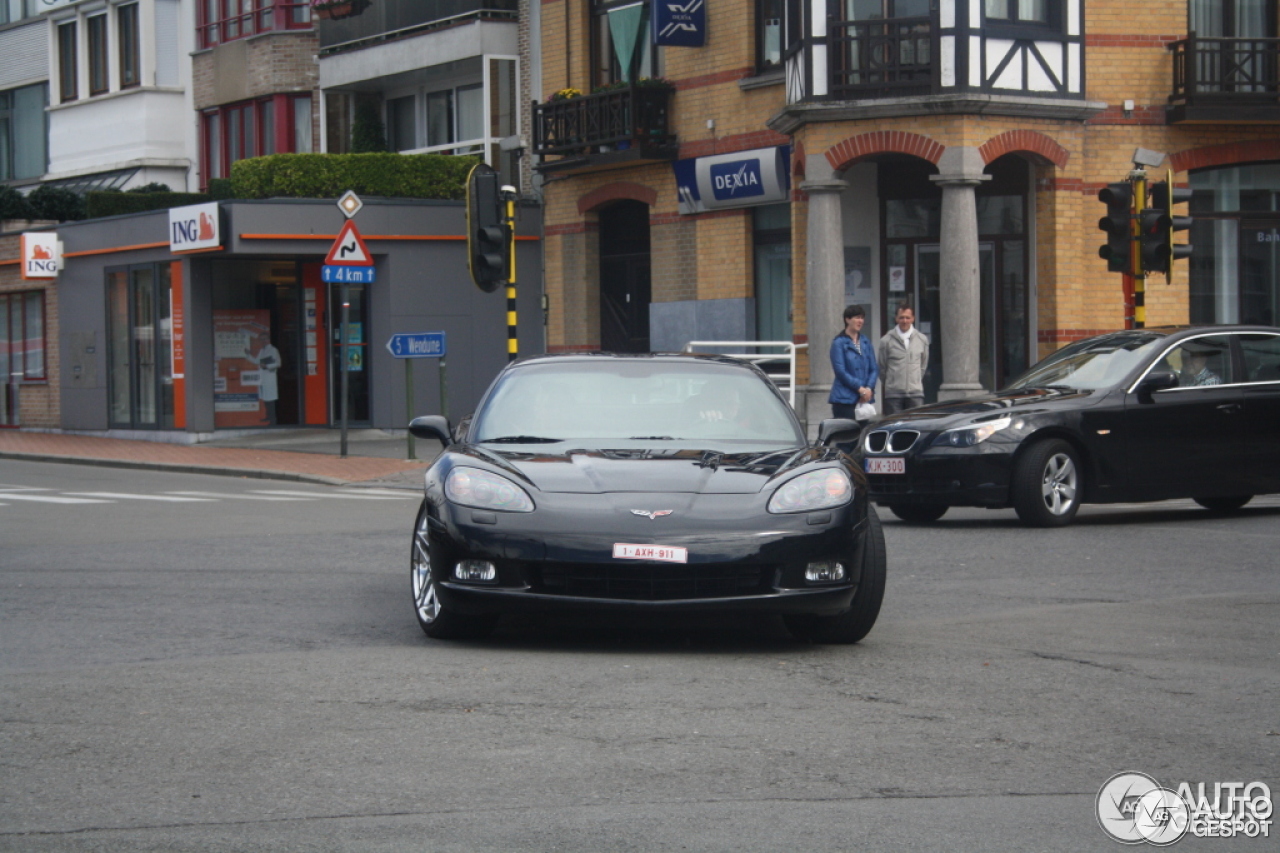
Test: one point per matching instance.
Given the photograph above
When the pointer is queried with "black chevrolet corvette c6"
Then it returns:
(1139, 415)
(647, 482)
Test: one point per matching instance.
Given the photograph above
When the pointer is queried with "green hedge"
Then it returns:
(437, 176)
(115, 203)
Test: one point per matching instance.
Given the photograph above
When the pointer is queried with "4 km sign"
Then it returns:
(348, 260)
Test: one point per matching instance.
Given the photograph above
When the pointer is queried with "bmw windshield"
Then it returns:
(1089, 365)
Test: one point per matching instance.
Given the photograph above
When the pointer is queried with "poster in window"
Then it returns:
(237, 380)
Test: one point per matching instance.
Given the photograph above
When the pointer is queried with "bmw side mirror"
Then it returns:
(1156, 380)
(431, 426)
(842, 430)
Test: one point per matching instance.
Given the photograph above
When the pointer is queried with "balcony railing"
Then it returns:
(1216, 79)
(636, 119)
(883, 58)
(389, 19)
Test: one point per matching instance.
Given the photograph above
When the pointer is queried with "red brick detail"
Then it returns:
(855, 148)
(1227, 154)
(659, 219)
(797, 160)
(1053, 336)
(573, 347)
(733, 75)
(730, 144)
(617, 191)
(1143, 115)
(1129, 40)
(1063, 185)
(1024, 140)
(569, 228)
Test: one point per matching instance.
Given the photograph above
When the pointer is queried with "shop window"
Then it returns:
(1235, 269)
(23, 132)
(22, 336)
(68, 80)
(97, 28)
(253, 129)
(127, 27)
(220, 21)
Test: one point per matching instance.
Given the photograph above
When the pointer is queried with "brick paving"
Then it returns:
(275, 464)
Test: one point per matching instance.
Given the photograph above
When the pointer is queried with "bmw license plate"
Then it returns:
(887, 465)
(661, 553)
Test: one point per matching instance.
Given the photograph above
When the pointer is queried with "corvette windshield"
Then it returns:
(1091, 364)
(639, 400)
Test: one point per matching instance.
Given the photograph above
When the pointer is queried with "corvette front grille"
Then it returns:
(648, 582)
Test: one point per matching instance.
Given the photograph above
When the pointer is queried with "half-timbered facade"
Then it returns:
(945, 153)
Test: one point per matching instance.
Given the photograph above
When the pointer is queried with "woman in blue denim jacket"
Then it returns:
(853, 357)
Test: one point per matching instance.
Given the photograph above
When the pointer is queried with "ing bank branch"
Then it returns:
(219, 317)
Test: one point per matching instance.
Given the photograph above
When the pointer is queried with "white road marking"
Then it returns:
(359, 496)
(125, 496)
(51, 499)
(235, 496)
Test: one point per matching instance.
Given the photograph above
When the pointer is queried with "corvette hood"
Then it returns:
(652, 470)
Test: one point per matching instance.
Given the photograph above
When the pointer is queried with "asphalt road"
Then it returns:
(241, 670)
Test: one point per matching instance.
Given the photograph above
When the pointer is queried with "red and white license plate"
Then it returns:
(661, 553)
(887, 465)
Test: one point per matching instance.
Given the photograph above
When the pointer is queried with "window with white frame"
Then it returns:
(24, 148)
(113, 31)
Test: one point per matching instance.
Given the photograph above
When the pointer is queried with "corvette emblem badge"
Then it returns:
(652, 515)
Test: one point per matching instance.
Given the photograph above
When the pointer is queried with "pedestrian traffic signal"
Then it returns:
(1118, 223)
(488, 238)
(1163, 196)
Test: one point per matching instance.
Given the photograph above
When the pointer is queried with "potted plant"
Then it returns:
(339, 9)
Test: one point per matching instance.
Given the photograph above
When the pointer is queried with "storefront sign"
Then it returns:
(194, 228)
(741, 179)
(40, 255)
(679, 23)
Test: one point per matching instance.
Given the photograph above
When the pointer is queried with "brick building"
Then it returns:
(807, 156)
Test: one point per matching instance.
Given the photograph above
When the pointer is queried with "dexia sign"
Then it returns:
(740, 179)
(194, 227)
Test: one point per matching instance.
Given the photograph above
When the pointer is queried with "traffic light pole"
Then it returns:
(508, 195)
(1138, 178)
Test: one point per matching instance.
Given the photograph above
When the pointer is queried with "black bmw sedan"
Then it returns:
(645, 482)
(1140, 415)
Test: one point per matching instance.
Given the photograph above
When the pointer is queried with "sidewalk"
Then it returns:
(374, 457)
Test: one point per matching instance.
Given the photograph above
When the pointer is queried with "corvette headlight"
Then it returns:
(484, 490)
(815, 490)
(970, 435)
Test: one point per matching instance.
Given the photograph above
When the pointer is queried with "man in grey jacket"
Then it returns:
(903, 354)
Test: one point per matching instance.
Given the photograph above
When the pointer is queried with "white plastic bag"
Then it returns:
(864, 412)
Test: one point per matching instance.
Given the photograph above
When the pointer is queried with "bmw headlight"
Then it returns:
(815, 490)
(485, 490)
(968, 436)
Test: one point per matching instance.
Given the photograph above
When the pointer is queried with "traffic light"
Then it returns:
(1152, 236)
(487, 235)
(1118, 223)
(1163, 196)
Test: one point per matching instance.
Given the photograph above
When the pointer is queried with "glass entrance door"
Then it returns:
(927, 297)
(141, 381)
(357, 351)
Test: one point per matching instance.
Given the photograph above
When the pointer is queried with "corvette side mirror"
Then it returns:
(838, 430)
(431, 426)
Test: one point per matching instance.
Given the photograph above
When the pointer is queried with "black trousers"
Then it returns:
(895, 404)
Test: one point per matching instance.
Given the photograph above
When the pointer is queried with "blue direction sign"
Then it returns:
(347, 275)
(419, 345)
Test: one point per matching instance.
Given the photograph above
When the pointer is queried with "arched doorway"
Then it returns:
(624, 277)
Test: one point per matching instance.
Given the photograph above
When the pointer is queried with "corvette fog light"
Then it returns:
(826, 571)
(475, 571)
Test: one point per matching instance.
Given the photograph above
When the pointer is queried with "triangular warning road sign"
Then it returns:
(349, 249)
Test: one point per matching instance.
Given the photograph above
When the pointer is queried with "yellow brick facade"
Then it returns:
(709, 256)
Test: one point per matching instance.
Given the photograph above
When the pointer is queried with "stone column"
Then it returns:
(824, 284)
(960, 171)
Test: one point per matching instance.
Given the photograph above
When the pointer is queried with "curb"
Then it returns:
(171, 467)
